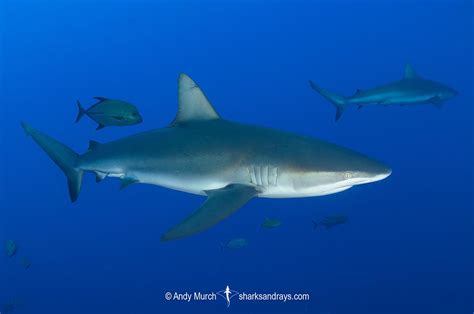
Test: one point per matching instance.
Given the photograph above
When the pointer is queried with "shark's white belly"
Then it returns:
(275, 186)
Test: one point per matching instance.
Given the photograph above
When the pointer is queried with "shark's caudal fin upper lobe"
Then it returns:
(338, 101)
(63, 156)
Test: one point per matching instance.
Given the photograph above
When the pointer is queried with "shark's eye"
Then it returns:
(347, 175)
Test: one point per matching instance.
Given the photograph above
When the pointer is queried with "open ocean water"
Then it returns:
(408, 245)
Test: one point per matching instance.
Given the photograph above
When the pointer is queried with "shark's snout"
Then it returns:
(386, 172)
(366, 170)
(452, 93)
(448, 93)
(374, 171)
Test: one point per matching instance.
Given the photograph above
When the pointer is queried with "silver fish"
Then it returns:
(110, 112)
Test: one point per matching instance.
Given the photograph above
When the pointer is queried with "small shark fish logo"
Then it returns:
(227, 294)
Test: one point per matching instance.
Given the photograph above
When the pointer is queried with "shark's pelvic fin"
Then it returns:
(410, 72)
(192, 103)
(99, 176)
(219, 205)
(63, 156)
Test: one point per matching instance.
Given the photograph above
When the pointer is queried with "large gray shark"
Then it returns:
(228, 162)
(412, 89)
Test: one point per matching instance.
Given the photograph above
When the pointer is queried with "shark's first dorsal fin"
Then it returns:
(192, 103)
(410, 72)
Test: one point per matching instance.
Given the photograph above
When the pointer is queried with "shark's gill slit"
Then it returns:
(259, 175)
(265, 175)
(275, 183)
(254, 178)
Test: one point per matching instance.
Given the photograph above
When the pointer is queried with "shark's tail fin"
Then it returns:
(81, 111)
(339, 101)
(315, 224)
(63, 156)
(222, 245)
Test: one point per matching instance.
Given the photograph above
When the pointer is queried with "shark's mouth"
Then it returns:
(337, 190)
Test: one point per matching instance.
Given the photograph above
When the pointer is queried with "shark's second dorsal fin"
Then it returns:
(410, 72)
(93, 144)
(358, 92)
(192, 103)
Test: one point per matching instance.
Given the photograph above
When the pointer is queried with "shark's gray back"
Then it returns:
(405, 90)
(204, 146)
(411, 89)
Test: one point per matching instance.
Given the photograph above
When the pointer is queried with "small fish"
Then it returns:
(10, 306)
(7, 308)
(331, 221)
(25, 262)
(270, 223)
(235, 244)
(11, 248)
(110, 112)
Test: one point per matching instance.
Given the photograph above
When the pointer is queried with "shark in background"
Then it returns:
(228, 162)
(411, 89)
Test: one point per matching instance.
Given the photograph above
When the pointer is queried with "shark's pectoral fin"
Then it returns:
(436, 101)
(219, 205)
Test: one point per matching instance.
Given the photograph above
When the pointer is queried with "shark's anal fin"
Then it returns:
(100, 127)
(126, 181)
(219, 205)
(192, 103)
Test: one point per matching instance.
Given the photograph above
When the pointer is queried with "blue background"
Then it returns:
(408, 247)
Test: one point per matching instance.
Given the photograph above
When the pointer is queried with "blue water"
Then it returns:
(408, 246)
